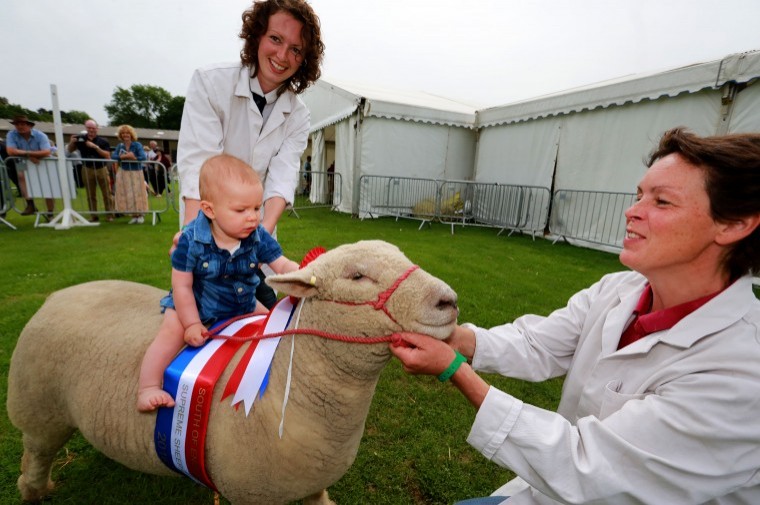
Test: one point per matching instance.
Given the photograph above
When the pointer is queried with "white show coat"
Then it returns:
(673, 418)
(221, 116)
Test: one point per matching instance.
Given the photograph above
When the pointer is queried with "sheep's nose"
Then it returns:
(446, 303)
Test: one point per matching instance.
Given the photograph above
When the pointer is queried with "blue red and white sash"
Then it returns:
(180, 432)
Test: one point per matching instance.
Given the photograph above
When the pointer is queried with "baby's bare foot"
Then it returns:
(150, 399)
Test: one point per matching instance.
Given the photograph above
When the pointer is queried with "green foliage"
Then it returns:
(171, 118)
(8, 110)
(143, 106)
(74, 117)
(413, 450)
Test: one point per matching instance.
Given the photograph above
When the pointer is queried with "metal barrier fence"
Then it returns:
(592, 216)
(399, 197)
(317, 189)
(6, 195)
(464, 203)
(92, 188)
(503, 206)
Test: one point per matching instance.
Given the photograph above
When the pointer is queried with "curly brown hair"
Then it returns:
(255, 22)
(731, 164)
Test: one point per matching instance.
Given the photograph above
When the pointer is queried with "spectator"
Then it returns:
(10, 166)
(151, 169)
(76, 166)
(660, 397)
(30, 143)
(331, 182)
(3, 195)
(131, 192)
(251, 109)
(156, 172)
(92, 148)
(165, 163)
(307, 175)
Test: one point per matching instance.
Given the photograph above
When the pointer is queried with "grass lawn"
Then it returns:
(413, 450)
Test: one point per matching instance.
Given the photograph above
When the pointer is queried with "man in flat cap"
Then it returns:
(27, 142)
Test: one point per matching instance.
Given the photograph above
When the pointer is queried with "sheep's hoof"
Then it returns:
(320, 498)
(30, 494)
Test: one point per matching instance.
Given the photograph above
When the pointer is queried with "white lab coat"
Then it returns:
(673, 418)
(220, 116)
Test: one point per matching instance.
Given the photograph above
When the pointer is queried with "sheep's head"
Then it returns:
(373, 289)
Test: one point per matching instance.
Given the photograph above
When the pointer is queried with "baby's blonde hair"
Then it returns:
(224, 168)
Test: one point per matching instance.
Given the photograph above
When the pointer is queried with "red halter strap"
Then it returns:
(377, 304)
(382, 298)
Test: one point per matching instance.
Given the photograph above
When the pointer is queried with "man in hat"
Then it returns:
(33, 145)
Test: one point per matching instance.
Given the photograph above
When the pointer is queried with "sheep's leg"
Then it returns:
(319, 498)
(36, 464)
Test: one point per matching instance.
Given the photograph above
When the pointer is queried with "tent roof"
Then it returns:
(740, 67)
(330, 102)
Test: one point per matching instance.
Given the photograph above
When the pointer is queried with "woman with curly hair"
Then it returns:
(250, 109)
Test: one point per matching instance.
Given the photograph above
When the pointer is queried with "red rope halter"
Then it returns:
(378, 304)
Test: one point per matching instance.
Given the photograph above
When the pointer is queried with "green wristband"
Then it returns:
(453, 367)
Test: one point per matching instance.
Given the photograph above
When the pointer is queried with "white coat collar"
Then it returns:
(280, 113)
(719, 313)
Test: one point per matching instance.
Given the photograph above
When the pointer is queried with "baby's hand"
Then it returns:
(194, 334)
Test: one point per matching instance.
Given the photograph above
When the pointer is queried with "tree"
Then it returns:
(74, 117)
(8, 110)
(172, 116)
(141, 105)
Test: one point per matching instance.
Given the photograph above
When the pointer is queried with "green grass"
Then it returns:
(413, 450)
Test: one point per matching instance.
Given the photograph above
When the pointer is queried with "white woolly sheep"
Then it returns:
(76, 364)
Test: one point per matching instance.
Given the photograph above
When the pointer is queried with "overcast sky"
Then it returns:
(482, 52)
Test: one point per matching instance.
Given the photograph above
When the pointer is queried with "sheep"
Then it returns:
(76, 364)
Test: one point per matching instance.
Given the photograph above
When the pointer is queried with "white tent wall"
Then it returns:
(392, 133)
(411, 149)
(520, 154)
(604, 149)
(317, 164)
(460, 154)
(746, 111)
(345, 165)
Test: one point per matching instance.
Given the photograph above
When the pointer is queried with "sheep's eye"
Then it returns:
(357, 276)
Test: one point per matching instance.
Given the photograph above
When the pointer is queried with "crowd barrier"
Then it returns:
(85, 183)
(592, 216)
(6, 195)
(464, 203)
(317, 189)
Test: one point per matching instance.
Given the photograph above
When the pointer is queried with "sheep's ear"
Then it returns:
(299, 283)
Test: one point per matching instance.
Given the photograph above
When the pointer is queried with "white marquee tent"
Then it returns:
(596, 138)
(599, 135)
(593, 138)
(371, 131)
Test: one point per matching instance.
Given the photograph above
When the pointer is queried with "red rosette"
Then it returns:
(308, 258)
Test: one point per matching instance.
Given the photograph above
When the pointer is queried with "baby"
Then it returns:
(213, 269)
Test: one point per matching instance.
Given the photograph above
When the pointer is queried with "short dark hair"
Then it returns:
(255, 22)
(731, 164)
